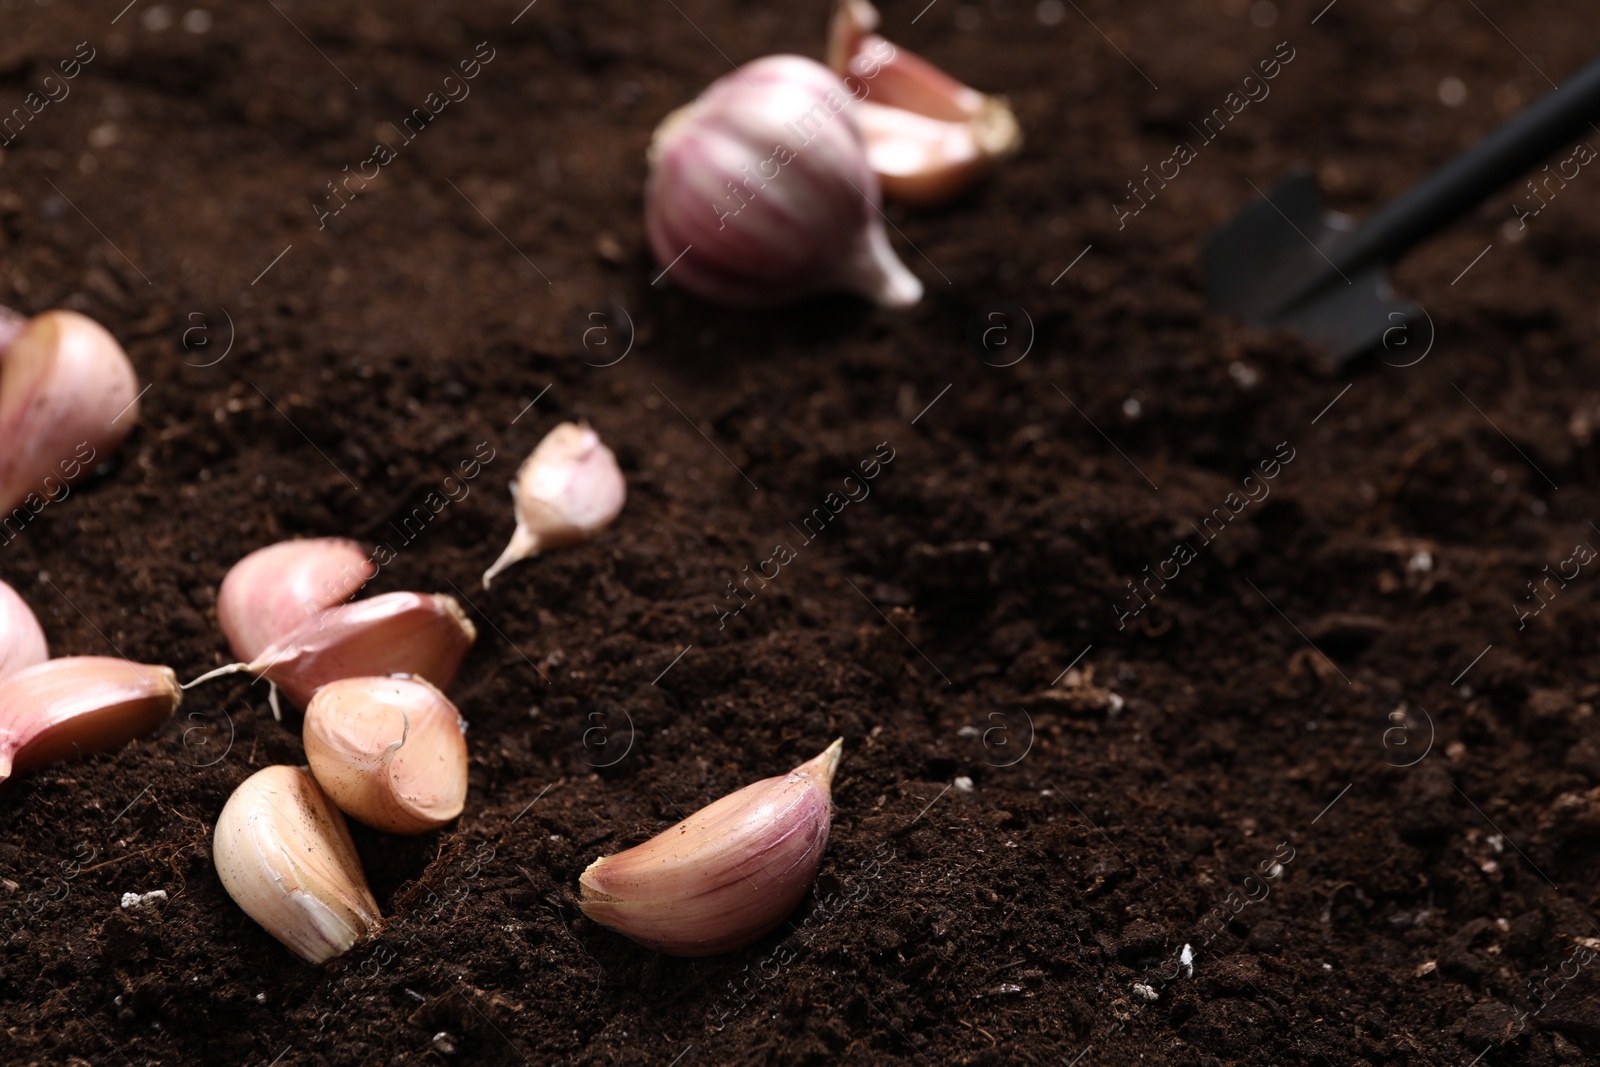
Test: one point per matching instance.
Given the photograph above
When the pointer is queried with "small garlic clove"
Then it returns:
(427, 635)
(725, 876)
(22, 642)
(928, 136)
(390, 752)
(275, 589)
(66, 707)
(760, 192)
(68, 395)
(927, 161)
(285, 856)
(567, 489)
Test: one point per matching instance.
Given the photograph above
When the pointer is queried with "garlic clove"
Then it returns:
(285, 856)
(927, 161)
(725, 876)
(275, 589)
(11, 324)
(67, 394)
(928, 136)
(760, 192)
(427, 635)
(390, 752)
(66, 707)
(568, 488)
(22, 642)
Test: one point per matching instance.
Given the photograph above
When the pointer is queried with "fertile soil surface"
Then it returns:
(1340, 748)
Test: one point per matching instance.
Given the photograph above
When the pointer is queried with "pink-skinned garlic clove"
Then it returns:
(390, 752)
(78, 704)
(928, 136)
(274, 589)
(68, 397)
(728, 874)
(427, 635)
(567, 489)
(22, 642)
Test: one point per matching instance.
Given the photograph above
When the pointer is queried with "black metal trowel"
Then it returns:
(1286, 261)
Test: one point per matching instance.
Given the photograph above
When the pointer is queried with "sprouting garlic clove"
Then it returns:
(427, 635)
(66, 707)
(22, 642)
(67, 395)
(285, 856)
(275, 589)
(390, 752)
(567, 489)
(725, 876)
(760, 192)
(928, 136)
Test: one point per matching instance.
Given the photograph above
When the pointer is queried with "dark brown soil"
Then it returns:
(1325, 756)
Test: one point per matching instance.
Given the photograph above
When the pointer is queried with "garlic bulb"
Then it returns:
(285, 856)
(760, 192)
(928, 136)
(726, 875)
(67, 394)
(274, 589)
(22, 641)
(390, 752)
(569, 487)
(66, 707)
(396, 633)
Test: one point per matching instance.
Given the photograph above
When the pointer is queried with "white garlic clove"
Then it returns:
(68, 395)
(928, 136)
(285, 856)
(390, 752)
(22, 642)
(275, 589)
(66, 707)
(567, 489)
(760, 192)
(725, 876)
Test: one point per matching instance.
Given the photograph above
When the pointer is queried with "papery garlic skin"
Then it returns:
(427, 635)
(928, 137)
(67, 395)
(22, 642)
(275, 589)
(728, 874)
(285, 856)
(77, 704)
(390, 752)
(764, 179)
(568, 488)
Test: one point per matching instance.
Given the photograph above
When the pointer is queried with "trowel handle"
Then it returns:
(1554, 121)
